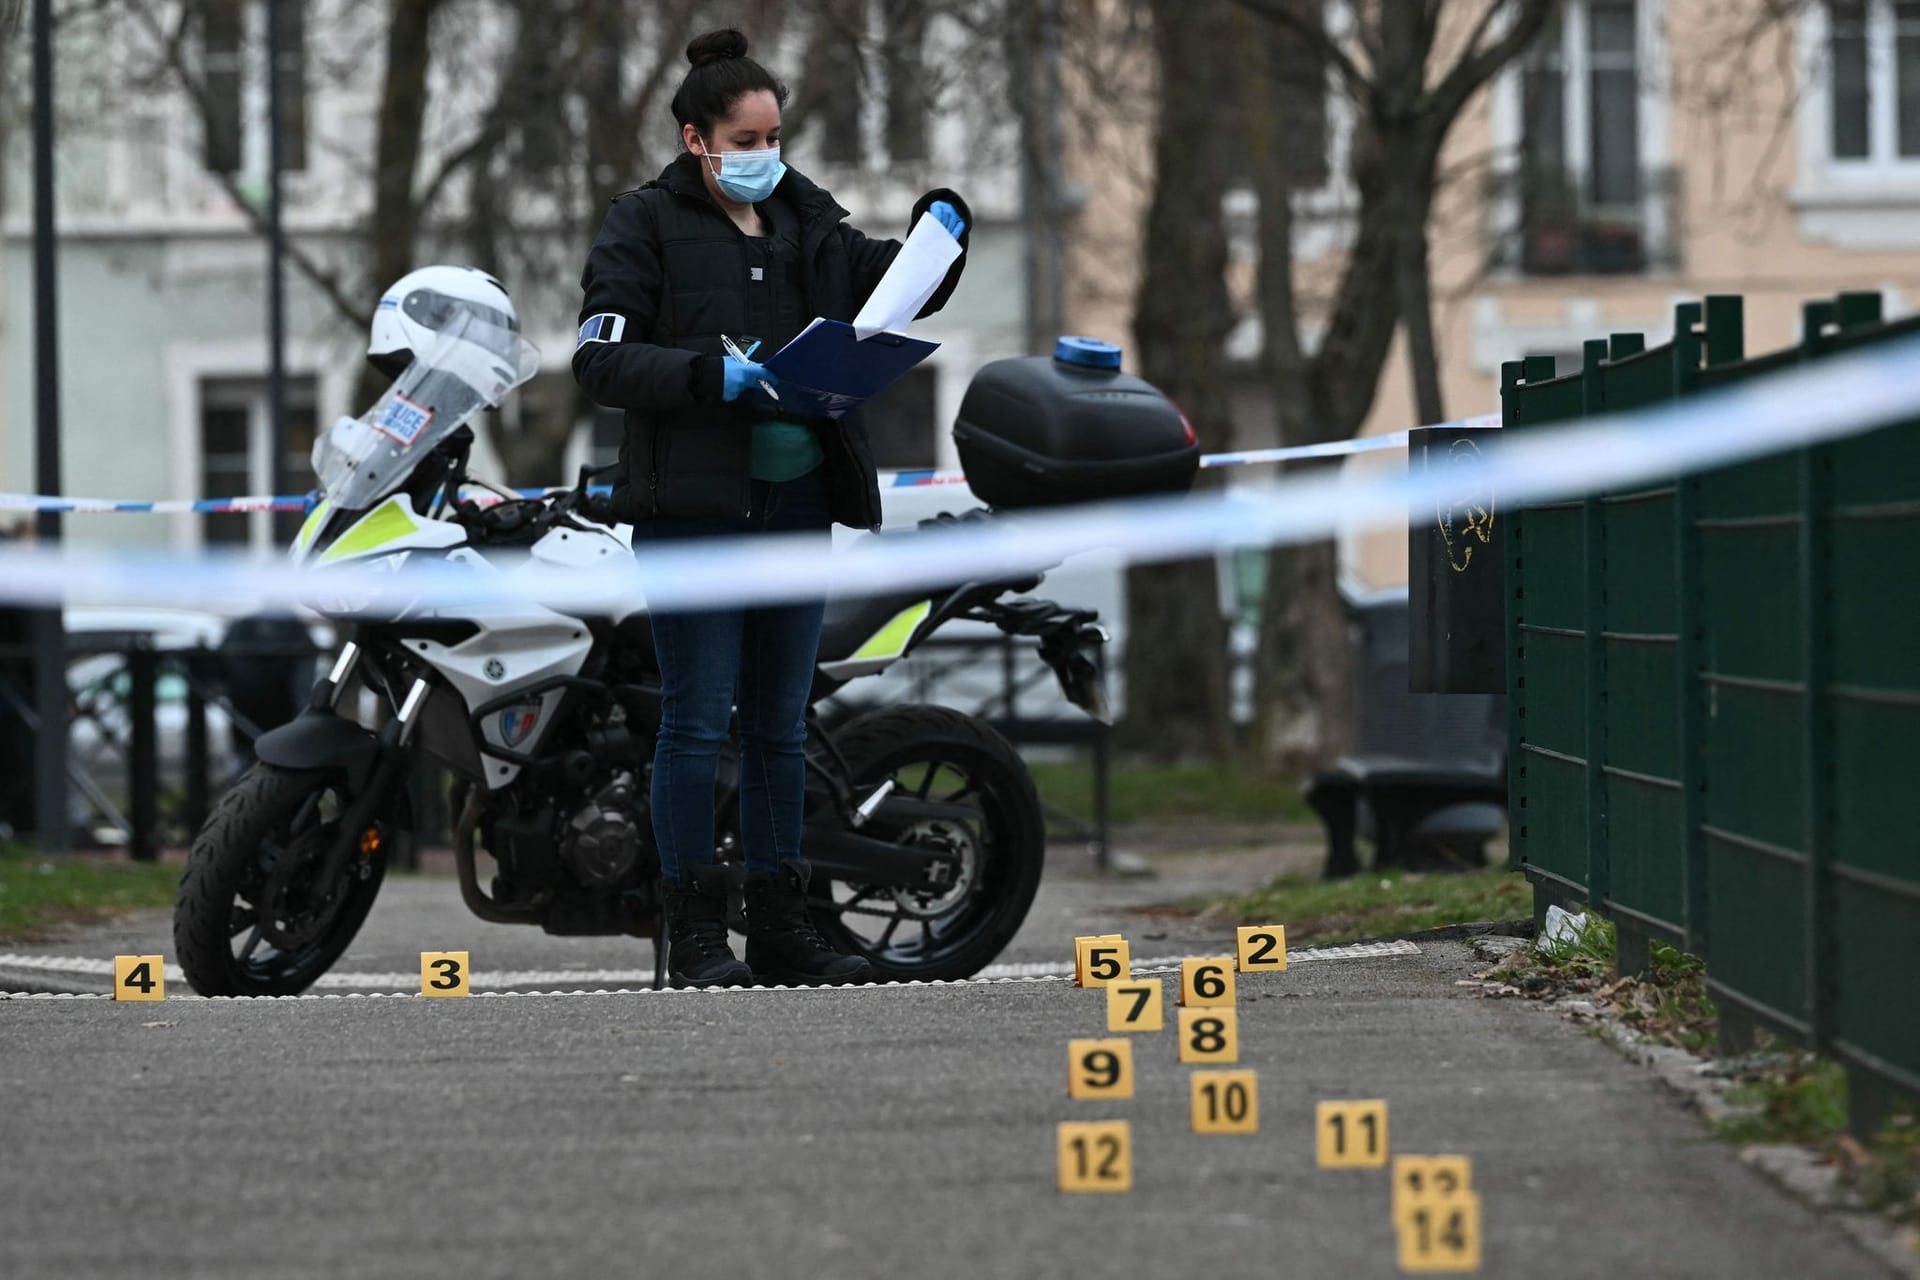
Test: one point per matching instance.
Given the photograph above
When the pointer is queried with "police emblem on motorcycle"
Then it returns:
(495, 669)
(517, 722)
(401, 420)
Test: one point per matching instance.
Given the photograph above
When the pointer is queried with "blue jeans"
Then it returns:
(761, 660)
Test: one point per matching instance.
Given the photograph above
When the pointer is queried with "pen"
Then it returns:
(733, 349)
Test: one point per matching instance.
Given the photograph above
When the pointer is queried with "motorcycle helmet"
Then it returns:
(424, 301)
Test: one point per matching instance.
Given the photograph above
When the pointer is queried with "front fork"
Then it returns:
(378, 775)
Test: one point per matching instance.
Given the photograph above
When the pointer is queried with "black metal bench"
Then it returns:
(1428, 785)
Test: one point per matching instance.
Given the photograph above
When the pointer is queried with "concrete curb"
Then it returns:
(45, 984)
(1794, 1169)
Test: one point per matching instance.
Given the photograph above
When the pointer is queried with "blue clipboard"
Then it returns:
(828, 371)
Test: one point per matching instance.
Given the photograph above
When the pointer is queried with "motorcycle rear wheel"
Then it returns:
(268, 816)
(936, 753)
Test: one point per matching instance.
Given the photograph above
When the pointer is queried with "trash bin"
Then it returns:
(1456, 568)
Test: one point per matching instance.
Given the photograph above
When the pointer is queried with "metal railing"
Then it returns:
(1551, 225)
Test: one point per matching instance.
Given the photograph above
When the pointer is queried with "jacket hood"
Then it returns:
(812, 201)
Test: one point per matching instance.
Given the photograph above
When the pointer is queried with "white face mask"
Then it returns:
(746, 176)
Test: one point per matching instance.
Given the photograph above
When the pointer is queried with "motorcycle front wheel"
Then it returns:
(938, 754)
(250, 918)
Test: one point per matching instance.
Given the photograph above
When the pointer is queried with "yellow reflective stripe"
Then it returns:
(890, 641)
(385, 523)
(310, 528)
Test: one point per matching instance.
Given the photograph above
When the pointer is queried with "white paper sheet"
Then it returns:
(910, 281)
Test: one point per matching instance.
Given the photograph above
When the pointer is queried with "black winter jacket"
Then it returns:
(671, 269)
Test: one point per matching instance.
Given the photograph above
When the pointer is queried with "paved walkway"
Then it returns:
(873, 1132)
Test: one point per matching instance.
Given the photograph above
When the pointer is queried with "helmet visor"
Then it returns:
(436, 310)
(472, 365)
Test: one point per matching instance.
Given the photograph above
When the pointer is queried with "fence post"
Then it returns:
(1593, 401)
(1686, 574)
(143, 761)
(1815, 465)
(198, 761)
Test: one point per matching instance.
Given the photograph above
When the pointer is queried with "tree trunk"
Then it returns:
(1414, 285)
(403, 109)
(1176, 646)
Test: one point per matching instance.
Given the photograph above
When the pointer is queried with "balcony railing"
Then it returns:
(1549, 225)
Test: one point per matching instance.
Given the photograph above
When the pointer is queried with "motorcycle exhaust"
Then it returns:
(470, 892)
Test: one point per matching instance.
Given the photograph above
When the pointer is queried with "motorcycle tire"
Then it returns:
(966, 938)
(227, 873)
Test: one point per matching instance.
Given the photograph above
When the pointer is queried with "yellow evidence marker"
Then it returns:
(1079, 953)
(1421, 1180)
(1261, 948)
(1351, 1135)
(1207, 982)
(1096, 1155)
(1101, 960)
(444, 973)
(1136, 1006)
(139, 978)
(1210, 1037)
(1226, 1102)
(1441, 1235)
(1099, 1068)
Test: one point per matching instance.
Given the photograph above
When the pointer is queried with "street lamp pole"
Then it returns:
(276, 261)
(49, 635)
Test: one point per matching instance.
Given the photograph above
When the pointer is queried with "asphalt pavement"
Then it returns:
(867, 1132)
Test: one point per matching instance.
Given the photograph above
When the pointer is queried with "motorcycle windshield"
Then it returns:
(471, 365)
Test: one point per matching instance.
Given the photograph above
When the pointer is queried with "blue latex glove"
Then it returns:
(742, 376)
(948, 217)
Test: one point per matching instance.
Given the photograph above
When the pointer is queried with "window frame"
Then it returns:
(1657, 203)
(1883, 169)
(247, 392)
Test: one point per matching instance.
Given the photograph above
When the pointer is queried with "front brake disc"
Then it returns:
(289, 916)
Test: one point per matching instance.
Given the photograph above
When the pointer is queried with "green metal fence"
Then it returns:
(1714, 700)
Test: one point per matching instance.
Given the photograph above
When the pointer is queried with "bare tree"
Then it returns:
(1408, 87)
(1176, 634)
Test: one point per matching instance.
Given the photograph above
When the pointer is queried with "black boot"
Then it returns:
(782, 944)
(697, 951)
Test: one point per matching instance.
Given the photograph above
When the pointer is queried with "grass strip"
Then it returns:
(1779, 1095)
(1141, 792)
(38, 890)
(1378, 906)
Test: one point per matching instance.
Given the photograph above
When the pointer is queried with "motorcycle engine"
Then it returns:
(602, 842)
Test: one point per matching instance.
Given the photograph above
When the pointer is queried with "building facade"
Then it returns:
(1644, 152)
(163, 267)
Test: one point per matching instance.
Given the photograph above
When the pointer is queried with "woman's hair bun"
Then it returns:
(716, 46)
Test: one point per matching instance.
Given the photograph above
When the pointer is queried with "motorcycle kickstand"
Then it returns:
(660, 952)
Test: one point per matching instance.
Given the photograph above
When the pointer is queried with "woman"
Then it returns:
(729, 244)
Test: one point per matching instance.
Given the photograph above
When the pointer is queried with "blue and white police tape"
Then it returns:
(1237, 458)
(163, 506)
(1829, 400)
(888, 480)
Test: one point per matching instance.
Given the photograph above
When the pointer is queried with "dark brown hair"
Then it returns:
(720, 76)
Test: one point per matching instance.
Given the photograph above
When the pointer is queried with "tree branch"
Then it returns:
(1478, 65)
(327, 282)
(1314, 34)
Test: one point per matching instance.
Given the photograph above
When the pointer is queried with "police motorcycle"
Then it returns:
(922, 824)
